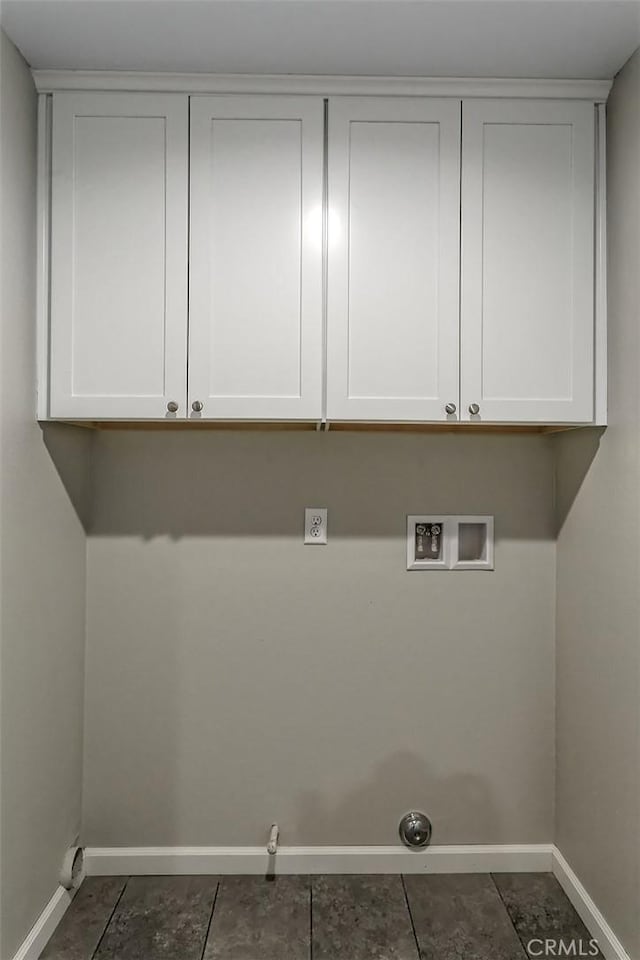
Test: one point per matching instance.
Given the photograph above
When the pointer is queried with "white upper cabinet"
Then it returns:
(118, 328)
(293, 257)
(255, 311)
(393, 258)
(527, 308)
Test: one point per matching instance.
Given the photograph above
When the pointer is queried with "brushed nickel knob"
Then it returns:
(450, 408)
(474, 409)
(172, 406)
(197, 406)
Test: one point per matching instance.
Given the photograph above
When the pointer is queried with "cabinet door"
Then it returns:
(119, 255)
(255, 308)
(393, 259)
(527, 260)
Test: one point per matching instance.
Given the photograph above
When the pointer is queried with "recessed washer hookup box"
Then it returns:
(445, 542)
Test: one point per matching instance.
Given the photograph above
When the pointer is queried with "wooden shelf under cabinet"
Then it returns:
(312, 426)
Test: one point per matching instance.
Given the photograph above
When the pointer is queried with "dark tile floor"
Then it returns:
(460, 917)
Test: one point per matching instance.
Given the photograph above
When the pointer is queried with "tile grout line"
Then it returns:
(111, 916)
(310, 917)
(506, 910)
(413, 926)
(213, 907)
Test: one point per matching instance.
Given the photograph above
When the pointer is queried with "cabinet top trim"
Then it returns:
(49, 81)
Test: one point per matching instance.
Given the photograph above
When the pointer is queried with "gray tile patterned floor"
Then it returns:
(454, 917)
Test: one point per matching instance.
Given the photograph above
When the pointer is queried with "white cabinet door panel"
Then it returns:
(119, 255)
(393, 258)
(255, 327)
(527, 260)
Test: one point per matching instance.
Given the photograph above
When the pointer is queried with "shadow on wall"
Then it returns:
(70, 450)
(400, 783)
(575, 451)
(154, 484)
(150, 484)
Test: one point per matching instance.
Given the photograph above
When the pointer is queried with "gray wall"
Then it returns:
(235, 676)
(598, 616)
(42, 562)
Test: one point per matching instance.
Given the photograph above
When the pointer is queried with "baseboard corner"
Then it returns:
(42, 930)
(610, 946)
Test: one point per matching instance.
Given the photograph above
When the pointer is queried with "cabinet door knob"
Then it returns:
(172, 406)
(474, 409)
(197, 406)
(450, 408)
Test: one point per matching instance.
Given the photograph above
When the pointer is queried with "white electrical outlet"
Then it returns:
(315, 525)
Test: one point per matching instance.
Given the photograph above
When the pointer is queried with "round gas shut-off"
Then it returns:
(415, 829)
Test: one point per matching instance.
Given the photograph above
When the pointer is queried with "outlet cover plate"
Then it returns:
(315, 525)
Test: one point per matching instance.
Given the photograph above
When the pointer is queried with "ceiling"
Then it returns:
(502, 38)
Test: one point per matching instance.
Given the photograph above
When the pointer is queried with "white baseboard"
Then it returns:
(42, 930)
(610, 946)
(116, 861)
